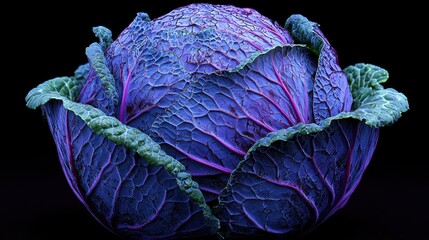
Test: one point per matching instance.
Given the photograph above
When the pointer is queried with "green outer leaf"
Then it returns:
(379, 108)
(98, 62)
(363, 75)
(372, 103)
(65, 87)
(258, 54)
(309, 128)
(82, 72)
(302, 30)
(131, 138)
(376, 106)
(286, 134)
(104, 35)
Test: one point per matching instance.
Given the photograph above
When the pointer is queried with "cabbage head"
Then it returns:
(213, 119)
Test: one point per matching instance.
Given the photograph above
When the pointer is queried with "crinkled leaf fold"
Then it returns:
(331, 94)
(290, 180)
(294, 178)
(65, 88)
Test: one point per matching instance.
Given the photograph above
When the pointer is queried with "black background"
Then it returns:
(40, 42)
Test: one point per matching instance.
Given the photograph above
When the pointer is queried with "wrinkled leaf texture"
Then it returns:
(206, 83)
(213, 85)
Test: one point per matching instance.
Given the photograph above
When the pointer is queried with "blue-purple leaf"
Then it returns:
(331, 91)
(295, 178)
(213, 123)
(142, 195)
(213, 104)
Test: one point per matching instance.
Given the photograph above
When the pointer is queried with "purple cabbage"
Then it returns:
(214, 119)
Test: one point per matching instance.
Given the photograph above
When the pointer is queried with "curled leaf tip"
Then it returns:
(143, 16)
(372, 103)
(98, 62)
(303, 31)
(105, 36)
